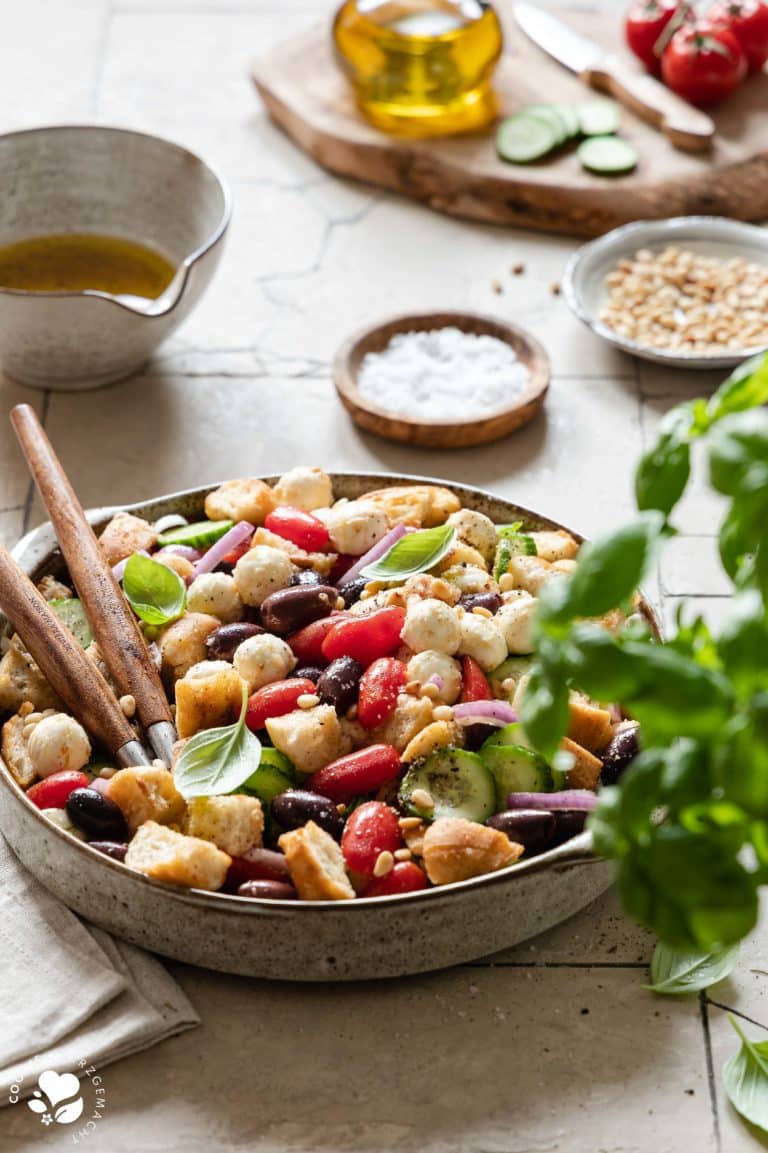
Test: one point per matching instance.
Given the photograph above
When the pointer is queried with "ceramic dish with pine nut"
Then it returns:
(689, 292)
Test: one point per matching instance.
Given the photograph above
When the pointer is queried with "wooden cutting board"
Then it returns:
(308, 97)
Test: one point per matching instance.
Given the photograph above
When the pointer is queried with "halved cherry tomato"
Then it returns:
(371, 829)
(356, 774)
(703, 63)
(474, 683)
(307, 643)
(748, 20)
(645, 24)
(234, 554)
(275, 700)
(365, 638)
(405, 877)
(303, 529)
(53, 792)
(380, 685)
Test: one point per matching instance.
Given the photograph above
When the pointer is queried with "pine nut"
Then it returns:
(385, 862)
(307, 700)
(422, 799)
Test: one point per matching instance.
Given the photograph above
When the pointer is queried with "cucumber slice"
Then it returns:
(516, 770)
(512, 544)
(515, 667)
(71, 613)
(599, 118)
(202, 534)
(570, 118)
(524, 138)
(458, 782)
(274, 775)
(550, 114)
(607, 156)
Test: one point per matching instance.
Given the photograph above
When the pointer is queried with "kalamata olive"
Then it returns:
(96, 815)
(294, 808)
(291, 609)
(569, 823)
(114, 849)
(619, 753)
(476, 735)
(268, 890)
(223, 641)
(490, 601)
(534, 829)
(339, 682)
(351, 590)
(308, 672)
(307, 578)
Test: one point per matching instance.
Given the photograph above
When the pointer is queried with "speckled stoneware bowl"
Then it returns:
(320, 941)
(115, 182)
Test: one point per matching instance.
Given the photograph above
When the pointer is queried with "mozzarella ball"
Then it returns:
(305, 488)
(261, 571)
(428, 664)
(215, 593)
(470, 579)
(355, 525)
(482, 639)
(431, 624)
(515, 619)
(262, 659)
(476, 530)
(58, 743)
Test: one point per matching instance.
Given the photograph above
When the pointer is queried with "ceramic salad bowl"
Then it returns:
(301, 941)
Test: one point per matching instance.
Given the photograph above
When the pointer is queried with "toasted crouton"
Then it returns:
(555, 545)
(455, 849)
(169, 856)
(53, 590)
(461, 555)
(146, 793)
(205, 699)
(15, 752)
(234, 824)
(590, 726)
(420, 505)
(124, 535)
(527, 572)
(21, 680)
(438, 735)
(413, 835)
(309, 738)
(182, 645)
(316, 864)
(410, 716)
(245, 499)
(586, 769)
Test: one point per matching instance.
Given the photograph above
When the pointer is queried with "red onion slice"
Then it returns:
(216, 553)
(184, 550)
(485, 712)
(118, 570)
(437, 680)
(376, 553)
(567, 799)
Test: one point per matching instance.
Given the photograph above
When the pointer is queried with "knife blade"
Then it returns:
(686, 127)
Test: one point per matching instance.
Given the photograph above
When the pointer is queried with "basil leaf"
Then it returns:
(503, 530)
(746, 387)
(155, 592)
(738, 454)
(544, 710)
(71, 613)
(745, 1078)
(414, 553)
(219, 760)
(663, 472)
(676, 972)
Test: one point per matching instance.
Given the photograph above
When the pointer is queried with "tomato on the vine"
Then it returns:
(748, 20)
(645, 25)
(703, 63)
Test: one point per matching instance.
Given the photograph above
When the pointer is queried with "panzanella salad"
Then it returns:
(346, 677)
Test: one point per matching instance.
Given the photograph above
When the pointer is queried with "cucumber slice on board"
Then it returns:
(525, 138)
(516, 770)
(459, 783)
(200, 535)
(607, 156)
(550, 114)
(570, 117)
(599, 118)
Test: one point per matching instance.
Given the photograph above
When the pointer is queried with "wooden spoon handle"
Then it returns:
(686, 127)
(122, 646)
(74, 677)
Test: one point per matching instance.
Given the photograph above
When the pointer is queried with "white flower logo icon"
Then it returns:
(53, 1098)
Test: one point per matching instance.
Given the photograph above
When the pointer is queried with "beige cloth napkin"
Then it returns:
(69, 992)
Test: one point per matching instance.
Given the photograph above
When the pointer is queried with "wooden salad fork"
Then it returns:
(119, 638)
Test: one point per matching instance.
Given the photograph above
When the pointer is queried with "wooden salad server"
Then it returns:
(63, 662)
(118, 635)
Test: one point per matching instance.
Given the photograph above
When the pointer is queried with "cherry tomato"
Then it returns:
(703, 63)
(748, 20)
(646, 22)
(371, 829)
(234, 554)
(365, 638)
(474, 683)
(380, 685)
(307, 643)
(300, 527)
(405, 877)
(275, 700)
(53, 792)
(257, 865)
(356, 774)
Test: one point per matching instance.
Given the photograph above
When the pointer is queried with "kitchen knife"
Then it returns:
(686, 127)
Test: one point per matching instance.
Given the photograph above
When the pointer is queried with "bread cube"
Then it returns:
(310, 738)
(147, 793)
(245, 499)
(126, 534)
(182, 645)
(21, 680)
(234, 823)
(555, 545)
(586, 769)
(590, 725)
(438, 735)
(410, 716)
(165, 855)
(210, 694)
(15, 752)
(316, 864)
(420, 505)
(455, 849)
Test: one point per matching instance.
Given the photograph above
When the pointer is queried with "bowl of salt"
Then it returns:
(442, 379)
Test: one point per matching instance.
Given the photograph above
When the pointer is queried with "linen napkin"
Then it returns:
(68, 991)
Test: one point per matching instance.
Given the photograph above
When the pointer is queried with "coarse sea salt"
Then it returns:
(443, 374)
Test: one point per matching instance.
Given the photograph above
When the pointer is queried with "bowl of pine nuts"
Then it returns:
(688, 292)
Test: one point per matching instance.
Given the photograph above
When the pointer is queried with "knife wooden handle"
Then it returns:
(686, 127)
(122, 645)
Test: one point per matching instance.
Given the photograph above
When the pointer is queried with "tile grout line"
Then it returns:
(736, 1013)
(31, 490)
(704, 1017)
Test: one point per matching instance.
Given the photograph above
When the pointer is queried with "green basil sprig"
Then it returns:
(745, 1077)
(676, 972)
(218, 761)
(414, 553)
(155, 592)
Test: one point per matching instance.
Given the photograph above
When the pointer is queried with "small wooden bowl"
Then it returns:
(441, 433)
